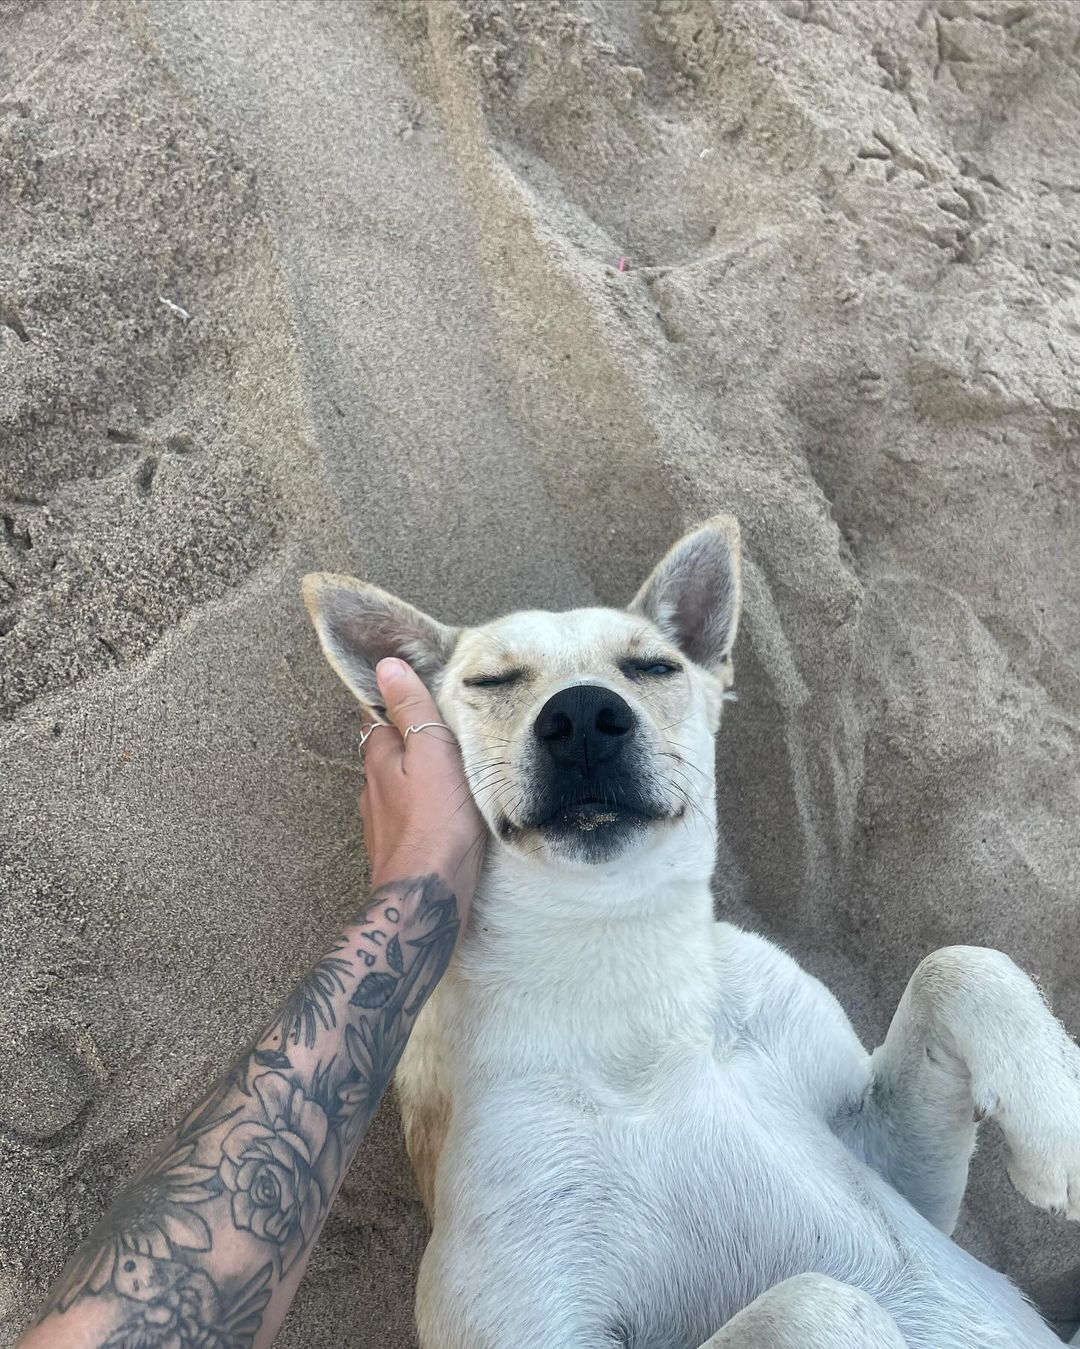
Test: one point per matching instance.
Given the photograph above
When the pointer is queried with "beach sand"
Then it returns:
(337, 285)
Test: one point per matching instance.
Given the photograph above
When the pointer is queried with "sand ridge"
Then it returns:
(848, 314)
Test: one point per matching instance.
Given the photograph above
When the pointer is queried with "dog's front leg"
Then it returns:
(810, 1311)
(972, 1038)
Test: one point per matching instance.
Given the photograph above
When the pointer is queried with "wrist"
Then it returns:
(409, 881)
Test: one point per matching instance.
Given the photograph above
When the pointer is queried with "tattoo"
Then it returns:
(374, 1044)
(155, 1213)
(310, 1006)
(263, 1154)
(180, 1307)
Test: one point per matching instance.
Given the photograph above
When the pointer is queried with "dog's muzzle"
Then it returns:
(589, 769)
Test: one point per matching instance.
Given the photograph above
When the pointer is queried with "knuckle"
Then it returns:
(416, 701)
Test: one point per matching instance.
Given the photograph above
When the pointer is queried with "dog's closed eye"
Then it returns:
(649, 669)
(492, 681)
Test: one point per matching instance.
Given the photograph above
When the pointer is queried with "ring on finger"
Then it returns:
(413, 730)
(366, 732)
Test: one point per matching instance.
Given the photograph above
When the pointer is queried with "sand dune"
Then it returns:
(848, 311)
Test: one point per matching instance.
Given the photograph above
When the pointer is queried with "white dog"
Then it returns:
(634, 1126)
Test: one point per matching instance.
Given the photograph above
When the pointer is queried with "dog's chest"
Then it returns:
(678, 1201)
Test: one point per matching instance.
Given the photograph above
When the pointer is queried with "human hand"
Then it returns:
(418, 813)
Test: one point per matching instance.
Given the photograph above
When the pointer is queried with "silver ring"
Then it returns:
(412, 730)
(366, 732)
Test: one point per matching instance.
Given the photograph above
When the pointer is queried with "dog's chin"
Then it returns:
(587, 832)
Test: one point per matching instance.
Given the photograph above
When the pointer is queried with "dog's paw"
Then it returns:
(1048, 1181)
(1044, 1147)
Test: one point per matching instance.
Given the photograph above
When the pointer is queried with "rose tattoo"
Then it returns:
(269, 1166)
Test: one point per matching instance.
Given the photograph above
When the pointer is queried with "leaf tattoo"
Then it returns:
(311, 1004)
(375, 990)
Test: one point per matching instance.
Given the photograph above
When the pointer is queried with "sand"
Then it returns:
(848, 312)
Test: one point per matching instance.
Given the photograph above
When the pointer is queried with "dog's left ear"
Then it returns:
(695, 592)
(359, 624)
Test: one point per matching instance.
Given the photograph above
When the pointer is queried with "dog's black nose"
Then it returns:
(584, 726)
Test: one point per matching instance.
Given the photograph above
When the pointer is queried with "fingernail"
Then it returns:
(388, 670)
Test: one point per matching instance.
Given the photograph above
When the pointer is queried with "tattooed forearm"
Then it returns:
(205, 1247)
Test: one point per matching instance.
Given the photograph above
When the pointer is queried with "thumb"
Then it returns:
(407, 700)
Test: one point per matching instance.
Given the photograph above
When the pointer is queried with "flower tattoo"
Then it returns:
(269, 1166)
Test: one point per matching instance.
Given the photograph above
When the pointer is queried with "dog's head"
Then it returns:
(585, 735)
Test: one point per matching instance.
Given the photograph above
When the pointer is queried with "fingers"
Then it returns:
(408, 702)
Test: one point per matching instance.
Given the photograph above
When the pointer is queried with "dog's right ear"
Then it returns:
(359, 624)
(694, 593)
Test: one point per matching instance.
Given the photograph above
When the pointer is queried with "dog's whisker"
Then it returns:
(684, 762)
(680, 722)
(678, 744)
(485, 801)
(477, 781)
(684, 795)
(685, 754)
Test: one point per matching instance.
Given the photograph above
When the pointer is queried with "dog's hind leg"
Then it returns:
(810, 1311)
(972, 1038)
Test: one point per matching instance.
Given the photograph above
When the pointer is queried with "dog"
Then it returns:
(634, 1127)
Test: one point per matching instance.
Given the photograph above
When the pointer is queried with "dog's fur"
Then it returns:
(634, 1126)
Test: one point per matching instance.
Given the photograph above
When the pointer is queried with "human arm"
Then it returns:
(208, 1243)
